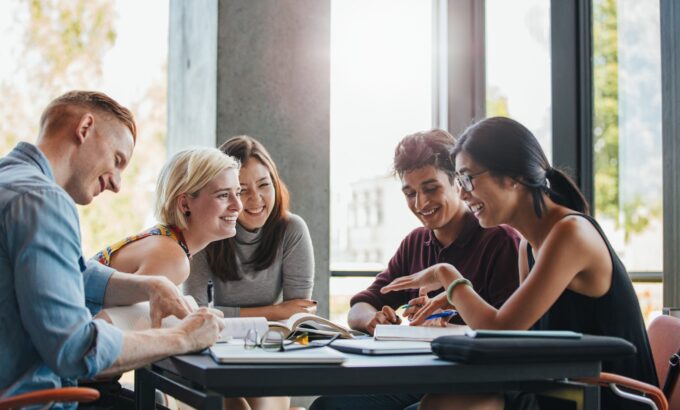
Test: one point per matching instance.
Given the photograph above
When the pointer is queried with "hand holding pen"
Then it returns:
(429, 306)
(443, 317)
(414, 305)
(443, 314)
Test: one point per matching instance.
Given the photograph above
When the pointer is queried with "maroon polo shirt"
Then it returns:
(487, 257)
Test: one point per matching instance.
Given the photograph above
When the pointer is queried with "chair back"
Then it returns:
(62, 395)
(664, 338)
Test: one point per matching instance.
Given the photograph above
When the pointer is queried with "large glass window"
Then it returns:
(627, 135)
(381, 91)
(518, 64)
(118, 47)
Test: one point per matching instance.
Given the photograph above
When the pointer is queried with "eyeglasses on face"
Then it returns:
(465, 180)
(274, 341)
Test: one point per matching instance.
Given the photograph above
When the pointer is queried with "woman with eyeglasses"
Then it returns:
(570, 277)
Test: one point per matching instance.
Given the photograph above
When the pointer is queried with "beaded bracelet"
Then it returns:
(452, 286)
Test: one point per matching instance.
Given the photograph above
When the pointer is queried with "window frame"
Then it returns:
(670, 89)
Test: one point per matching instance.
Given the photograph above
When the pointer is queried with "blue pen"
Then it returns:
(445, 313)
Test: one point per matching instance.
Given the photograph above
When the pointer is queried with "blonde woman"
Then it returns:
(197, 202)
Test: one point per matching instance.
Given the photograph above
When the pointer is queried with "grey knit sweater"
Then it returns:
(291, 276)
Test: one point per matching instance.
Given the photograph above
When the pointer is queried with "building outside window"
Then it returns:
(381, 91)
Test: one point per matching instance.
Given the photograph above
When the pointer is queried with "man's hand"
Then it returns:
(194, 333)
(385, 316)
(288, 308)
(414, 305)
(165, 299)
(201, 328)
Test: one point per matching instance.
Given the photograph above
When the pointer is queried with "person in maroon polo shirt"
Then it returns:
(450, 233)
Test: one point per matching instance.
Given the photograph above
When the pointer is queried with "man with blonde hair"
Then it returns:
(48, 292)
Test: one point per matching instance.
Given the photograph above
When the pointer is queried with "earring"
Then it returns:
(187, 214)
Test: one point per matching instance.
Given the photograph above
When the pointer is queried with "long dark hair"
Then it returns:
(221, 254)
(508, 149)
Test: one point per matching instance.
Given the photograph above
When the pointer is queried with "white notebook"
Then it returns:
(136, 317)
(236, 353)
(377, 348)
(416, 333)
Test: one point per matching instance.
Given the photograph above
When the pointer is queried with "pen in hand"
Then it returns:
(445, 313)
(408, 306)
(211, 294)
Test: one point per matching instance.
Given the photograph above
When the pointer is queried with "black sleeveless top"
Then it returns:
(616, 313)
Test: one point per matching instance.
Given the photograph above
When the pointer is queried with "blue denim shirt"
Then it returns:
(48, 293)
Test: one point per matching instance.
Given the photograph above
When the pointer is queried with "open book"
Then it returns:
(416, 333)
(137, 317)
(308, 322)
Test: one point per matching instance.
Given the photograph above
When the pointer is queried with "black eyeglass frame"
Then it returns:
(464, 181)
(280, 343)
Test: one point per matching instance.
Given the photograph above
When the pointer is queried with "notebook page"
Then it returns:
(137, 316)
(238, 327)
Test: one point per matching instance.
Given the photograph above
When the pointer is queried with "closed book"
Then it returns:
(416, 333)
(236, 353)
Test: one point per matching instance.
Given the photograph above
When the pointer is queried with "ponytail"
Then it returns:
(562, 190)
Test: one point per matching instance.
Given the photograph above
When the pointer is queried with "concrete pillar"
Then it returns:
(192, 74)
(260, 68)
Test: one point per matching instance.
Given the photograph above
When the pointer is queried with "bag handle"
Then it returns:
(672, 377)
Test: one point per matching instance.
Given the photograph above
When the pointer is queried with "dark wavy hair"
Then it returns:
(221, 254)
(425, 148)
(508, 149)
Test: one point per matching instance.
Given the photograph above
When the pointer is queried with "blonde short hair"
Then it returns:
(187, 172)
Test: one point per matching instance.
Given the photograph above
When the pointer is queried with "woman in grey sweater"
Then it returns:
(267, 269)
